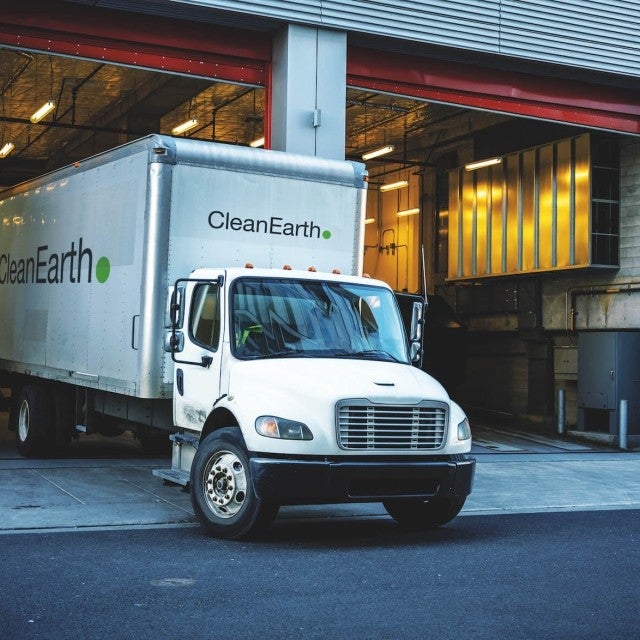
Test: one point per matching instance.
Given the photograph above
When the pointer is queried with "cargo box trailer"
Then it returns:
(152, 288)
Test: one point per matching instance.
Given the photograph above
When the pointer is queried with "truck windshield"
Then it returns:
(279, 318)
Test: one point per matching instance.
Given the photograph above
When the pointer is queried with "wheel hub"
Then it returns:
(225, 484)
(23, 422)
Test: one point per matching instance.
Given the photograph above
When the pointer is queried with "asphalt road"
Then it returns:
(552, 576)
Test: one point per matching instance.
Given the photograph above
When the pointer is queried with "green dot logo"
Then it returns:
(326, 234)
(103, 268)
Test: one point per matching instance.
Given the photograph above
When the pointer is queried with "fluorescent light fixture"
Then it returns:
(378, 152)
(184, 127)
(369, 220)
(258, 142)
(391, 186)
(44, 110)
(480, 164)
(7, 149)
(407, 212)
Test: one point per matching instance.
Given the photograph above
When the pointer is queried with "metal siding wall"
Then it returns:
(309, 13)
(601, 35)
(472, 24)
(597, 35)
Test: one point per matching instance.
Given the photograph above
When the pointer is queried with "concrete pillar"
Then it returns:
(308, 92)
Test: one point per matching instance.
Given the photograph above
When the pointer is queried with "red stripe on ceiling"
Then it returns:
(138, 40)
(549, 98)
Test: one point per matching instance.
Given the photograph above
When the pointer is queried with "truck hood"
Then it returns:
(308, 390)
(334, 379)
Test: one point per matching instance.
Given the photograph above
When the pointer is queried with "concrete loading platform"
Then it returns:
(107, 483)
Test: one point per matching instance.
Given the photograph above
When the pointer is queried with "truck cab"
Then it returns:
(297, 387)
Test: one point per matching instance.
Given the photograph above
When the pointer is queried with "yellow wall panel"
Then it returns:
(546, 209)
(564, 204)
(529, 239)
(530, 213)
(511, 165)
(497, 223)
(582, 201)
(454, 222)
(482, 215)
(468, 223)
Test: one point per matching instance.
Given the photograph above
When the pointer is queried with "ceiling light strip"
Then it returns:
(481, 164)
(184, 127)
(392, 186)
(7, 149)
(43, 111)
(375, 153)
(407, 212)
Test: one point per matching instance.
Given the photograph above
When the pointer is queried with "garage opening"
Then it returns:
(89, 106)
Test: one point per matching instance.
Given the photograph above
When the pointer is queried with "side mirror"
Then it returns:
(173, 341)
(417, 322)
(415, 338)
(174, 316)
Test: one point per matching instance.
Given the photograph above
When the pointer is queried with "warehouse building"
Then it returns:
(500, 136)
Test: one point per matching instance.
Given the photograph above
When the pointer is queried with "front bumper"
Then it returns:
(322, 482)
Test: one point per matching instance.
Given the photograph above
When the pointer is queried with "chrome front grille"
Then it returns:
(366, 426)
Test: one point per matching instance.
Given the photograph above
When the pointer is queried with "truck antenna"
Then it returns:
(423, 267)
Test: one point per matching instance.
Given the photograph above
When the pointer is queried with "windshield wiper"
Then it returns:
(286, 353)
(375, 353)
(371, 354)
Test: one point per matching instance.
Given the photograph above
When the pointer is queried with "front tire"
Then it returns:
(222, 492)
(419, 515)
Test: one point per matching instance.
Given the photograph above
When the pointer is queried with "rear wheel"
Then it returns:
(31, 418)
(221, 489)
(418, 514)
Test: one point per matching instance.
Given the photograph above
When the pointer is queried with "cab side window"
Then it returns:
(205, 315)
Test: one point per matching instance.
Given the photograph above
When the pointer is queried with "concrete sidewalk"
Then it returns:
(89, 490)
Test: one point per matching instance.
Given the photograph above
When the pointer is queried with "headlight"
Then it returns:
(274, 427)
(464, 430)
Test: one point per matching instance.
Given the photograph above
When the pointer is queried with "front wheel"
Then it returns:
(418, 515)
(222, 493)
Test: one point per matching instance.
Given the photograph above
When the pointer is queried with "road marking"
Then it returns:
(57, 486)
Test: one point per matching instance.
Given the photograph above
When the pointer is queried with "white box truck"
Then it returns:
(127, 301)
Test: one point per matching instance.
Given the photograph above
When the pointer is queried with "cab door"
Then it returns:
(196, 349)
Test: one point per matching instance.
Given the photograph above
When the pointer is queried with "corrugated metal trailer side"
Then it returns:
(88, 253)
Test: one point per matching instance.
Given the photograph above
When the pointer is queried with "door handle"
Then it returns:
(180, 381)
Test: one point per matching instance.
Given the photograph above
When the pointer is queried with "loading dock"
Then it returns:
(438, 108)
